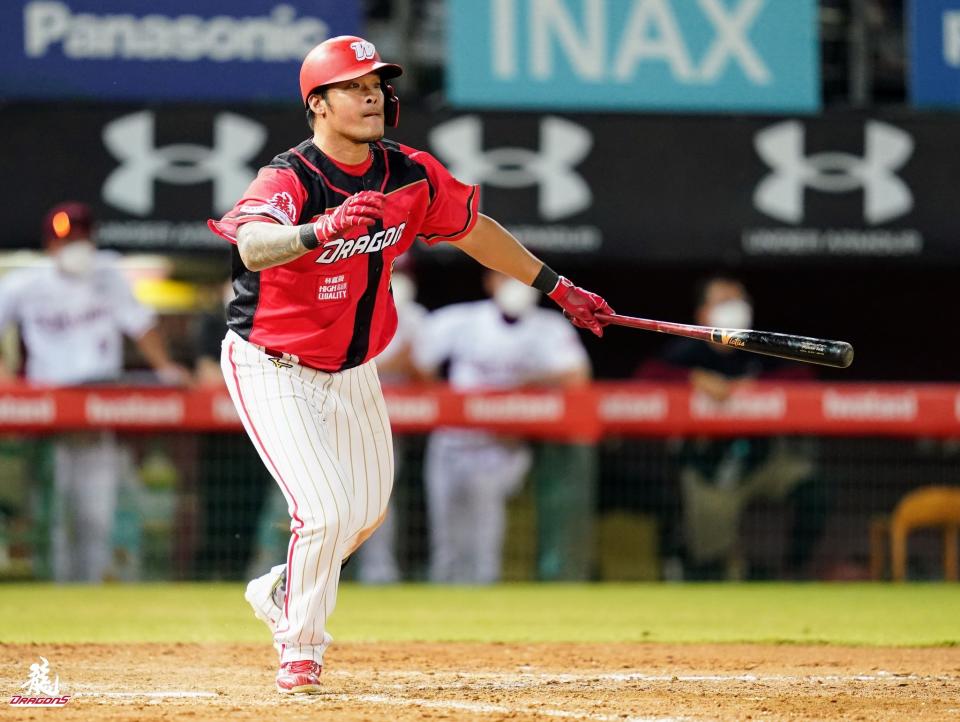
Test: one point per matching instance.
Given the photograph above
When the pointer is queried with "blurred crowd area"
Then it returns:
(201, 505)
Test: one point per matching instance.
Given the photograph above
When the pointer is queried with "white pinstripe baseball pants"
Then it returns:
(326, 440)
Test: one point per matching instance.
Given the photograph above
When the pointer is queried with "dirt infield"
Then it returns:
(487, 682)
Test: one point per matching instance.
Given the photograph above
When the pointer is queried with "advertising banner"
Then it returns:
(934, 27)
(661, 55)
(582, 414)
(174, 50)
(698, 189)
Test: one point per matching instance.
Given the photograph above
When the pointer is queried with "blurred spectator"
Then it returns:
(502, 343)
(377, 558)
(232, 481)
(719, 478)
(73, 313)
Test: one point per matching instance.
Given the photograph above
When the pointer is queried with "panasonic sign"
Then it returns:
(178, 49)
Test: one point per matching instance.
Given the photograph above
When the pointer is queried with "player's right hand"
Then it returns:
(580, 306)
(360, 209)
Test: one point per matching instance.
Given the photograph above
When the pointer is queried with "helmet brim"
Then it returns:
(386, 70)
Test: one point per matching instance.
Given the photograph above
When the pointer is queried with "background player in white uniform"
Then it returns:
(500, 343)
(73, 312)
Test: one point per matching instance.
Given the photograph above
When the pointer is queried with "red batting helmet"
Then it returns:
(67, 221)
(342, 58)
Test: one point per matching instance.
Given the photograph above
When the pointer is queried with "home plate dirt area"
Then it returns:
(461, 681)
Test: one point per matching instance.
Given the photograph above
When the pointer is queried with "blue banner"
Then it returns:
(174, 50)
(670, 55)
(935, 52)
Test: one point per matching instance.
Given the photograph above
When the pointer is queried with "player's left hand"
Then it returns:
(580, 306)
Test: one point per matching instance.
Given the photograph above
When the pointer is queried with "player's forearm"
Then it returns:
(264, 245)
(491, 245)
(154, 350)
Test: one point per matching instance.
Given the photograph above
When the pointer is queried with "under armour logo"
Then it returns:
(563, 145)
(131, 140)
(364, 50)
(885, 197)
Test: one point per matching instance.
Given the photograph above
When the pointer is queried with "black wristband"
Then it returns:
(546, 280)
(308, 236)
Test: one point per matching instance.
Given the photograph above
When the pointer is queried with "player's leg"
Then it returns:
(441, 482)
(359, 431)
(61, 533)
(281, 411)
(377, 558)
(491, 485)
(97, 468)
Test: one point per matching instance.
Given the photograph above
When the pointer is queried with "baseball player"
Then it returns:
(315, 237)
(376, 560)
(73, 313)
(500, 343)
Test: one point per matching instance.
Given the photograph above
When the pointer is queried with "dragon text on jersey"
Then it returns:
(340, 248)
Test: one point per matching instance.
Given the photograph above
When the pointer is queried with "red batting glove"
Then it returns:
(360, 209)
(580, 306)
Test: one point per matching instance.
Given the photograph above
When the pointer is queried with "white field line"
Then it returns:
(172, 694)
(522, 679)
(481, 708)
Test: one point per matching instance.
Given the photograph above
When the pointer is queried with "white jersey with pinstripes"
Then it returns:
(326, 439)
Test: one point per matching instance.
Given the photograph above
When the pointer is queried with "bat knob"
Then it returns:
(844, 354)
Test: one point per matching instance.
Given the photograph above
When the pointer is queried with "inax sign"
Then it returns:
(175, 50)
(669, 55)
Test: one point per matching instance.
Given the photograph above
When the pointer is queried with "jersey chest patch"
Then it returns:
(341, 248)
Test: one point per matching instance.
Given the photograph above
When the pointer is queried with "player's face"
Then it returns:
(354, 108)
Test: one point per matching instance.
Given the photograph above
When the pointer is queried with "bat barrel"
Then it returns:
(838, 354)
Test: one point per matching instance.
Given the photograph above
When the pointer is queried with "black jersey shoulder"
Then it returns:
(401, 157)
(328, 185)
(402, 169)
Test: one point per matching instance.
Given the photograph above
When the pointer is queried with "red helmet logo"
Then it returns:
(364, 50)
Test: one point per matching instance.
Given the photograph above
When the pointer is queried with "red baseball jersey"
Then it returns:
(333, 307)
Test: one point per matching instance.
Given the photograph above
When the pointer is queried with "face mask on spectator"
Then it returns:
(735, 313)
(514, 298)
(76, 258)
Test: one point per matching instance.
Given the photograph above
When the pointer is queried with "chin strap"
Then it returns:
(391, 106)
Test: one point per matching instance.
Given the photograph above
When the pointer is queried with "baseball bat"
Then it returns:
(838, 354)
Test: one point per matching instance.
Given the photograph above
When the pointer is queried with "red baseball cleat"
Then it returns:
(300, 677)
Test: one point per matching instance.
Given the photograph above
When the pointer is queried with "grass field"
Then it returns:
(841, 614)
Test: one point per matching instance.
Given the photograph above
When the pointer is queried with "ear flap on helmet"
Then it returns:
(391, 106)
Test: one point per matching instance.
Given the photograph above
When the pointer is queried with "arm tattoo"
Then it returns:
(263, 245)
